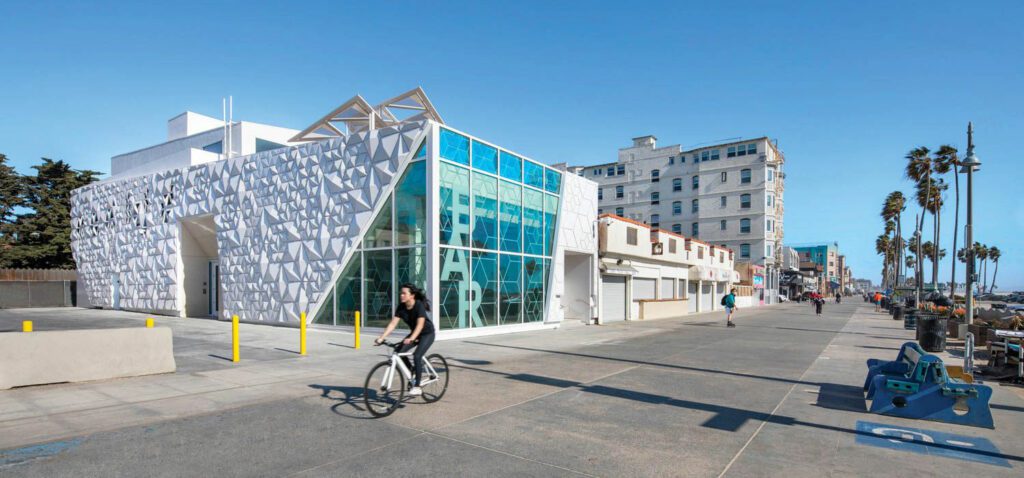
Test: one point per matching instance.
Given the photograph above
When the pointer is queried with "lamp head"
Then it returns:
(971, 162)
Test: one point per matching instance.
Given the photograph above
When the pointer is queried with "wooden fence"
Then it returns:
(38, 275)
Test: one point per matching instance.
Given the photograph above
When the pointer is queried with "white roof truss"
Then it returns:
(356, 115)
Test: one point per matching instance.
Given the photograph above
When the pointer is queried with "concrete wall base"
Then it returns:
(37, 358)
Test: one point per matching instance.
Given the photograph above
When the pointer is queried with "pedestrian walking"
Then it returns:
(729, 301)
(878, 301)
(818, 305)
(839, 297)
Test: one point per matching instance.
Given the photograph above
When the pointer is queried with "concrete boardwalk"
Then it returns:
(780, 395)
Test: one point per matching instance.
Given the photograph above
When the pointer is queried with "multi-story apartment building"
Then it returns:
(728, 194)
(832, 263)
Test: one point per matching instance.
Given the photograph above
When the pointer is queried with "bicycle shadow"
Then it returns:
(350, 400)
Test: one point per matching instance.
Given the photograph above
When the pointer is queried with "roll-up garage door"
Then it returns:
(705, 298)
(693, 296)
(644, 289)
(613, 298)
(668, 288)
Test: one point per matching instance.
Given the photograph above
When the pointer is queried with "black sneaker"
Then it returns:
(730, 324)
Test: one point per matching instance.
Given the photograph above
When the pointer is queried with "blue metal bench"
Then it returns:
(927, 392)
(907, 359)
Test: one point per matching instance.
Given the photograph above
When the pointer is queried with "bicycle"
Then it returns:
(382, 395)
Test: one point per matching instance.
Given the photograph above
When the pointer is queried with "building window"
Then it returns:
(741, 150)
(619, 211)
(696, 158)
(655, 197)
(745, 176)
(768, 225)
(672, 246)
(714, 154)
(768, 250)
(722, 201)
(705, 155)
(671, 160)
(696, 182)
(655, 220)
(597, 172)
(745, 251)
(677, 184)
(745, 226)
(693, 206)
(721, 224)
(618, 192)
(620, 170)
(700, 250)
(600, 211)
(768, 200)
(677, 228)
(725, 176)
(655, 175)
(744, 201)
(600, 194)
(731, 152)
(677, 208)
(217, 147)
(752, 148)
(694, 229)
(771, 174)
(631, 236)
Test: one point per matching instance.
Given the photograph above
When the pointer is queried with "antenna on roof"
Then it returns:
(224, 118)
(724, 140)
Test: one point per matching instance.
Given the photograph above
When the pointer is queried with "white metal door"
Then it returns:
(613, 298)
(115, 284)
(693, 296)
(705, 298)
(668, 288)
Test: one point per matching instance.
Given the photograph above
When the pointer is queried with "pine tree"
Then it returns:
(41, 237)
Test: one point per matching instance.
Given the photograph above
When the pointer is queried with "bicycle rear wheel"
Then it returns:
(383, 390)
(437, 383)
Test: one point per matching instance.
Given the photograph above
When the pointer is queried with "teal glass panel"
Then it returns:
(326, 313)
(484, 295)
(533, 222)
(348, 297)
(410, 268)
(511, 167)
(454, 189)
(380, 232)
(454, 147)
(510, 300)
(485, 212)
(550, 222)
(453, 309)
(421, 152)
(378, 283)
(411, 206)
(511, 218)
(485, 158)
(552, 181)
(533, 289)
(533, 174)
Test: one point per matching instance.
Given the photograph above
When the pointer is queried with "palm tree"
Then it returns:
(929, 197)
(884, 249)
(892, 210)
(919, 169)
(947, 155)
(993, 253)
(980, 256)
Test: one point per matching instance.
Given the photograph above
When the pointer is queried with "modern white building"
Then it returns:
(332, 219)
(648, 273)
(728, 194)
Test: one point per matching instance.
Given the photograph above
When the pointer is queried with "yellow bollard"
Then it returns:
(357, 330)
(234, 339)
(26, 326)
(302, 333)
(149, 323)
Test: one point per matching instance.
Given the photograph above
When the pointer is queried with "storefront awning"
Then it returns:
(617, 269)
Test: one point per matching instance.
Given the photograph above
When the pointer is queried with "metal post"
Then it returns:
(302, 333)
(969, 164)
(234, 339)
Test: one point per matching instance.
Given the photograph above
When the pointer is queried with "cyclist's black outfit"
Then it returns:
(424, 341)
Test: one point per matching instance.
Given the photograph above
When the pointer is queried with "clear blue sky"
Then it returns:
(846, 87)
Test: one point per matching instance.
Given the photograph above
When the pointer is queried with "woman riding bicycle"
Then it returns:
(414, 310)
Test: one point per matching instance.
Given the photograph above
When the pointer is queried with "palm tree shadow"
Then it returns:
(349, 400)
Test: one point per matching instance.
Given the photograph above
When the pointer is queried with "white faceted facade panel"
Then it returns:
(284, 220)
(576, 232)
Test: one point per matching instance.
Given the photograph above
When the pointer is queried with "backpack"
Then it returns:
(723, 299)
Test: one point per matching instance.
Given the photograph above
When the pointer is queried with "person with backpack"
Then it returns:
(729, 301)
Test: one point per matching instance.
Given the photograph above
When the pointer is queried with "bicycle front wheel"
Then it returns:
(383, 390)
(436, 382)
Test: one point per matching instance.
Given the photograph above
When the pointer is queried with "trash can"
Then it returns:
(911, 302)
(931, 333)
(910, 319)
(897, 312)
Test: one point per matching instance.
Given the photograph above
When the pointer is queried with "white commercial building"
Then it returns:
(729, 194)
(268, 223)
(649, 273)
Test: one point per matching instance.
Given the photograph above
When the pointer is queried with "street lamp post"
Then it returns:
(971, 163)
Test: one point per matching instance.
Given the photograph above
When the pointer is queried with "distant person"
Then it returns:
(729, 301)
(839, 297)
(818, 305)
(878, 301)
